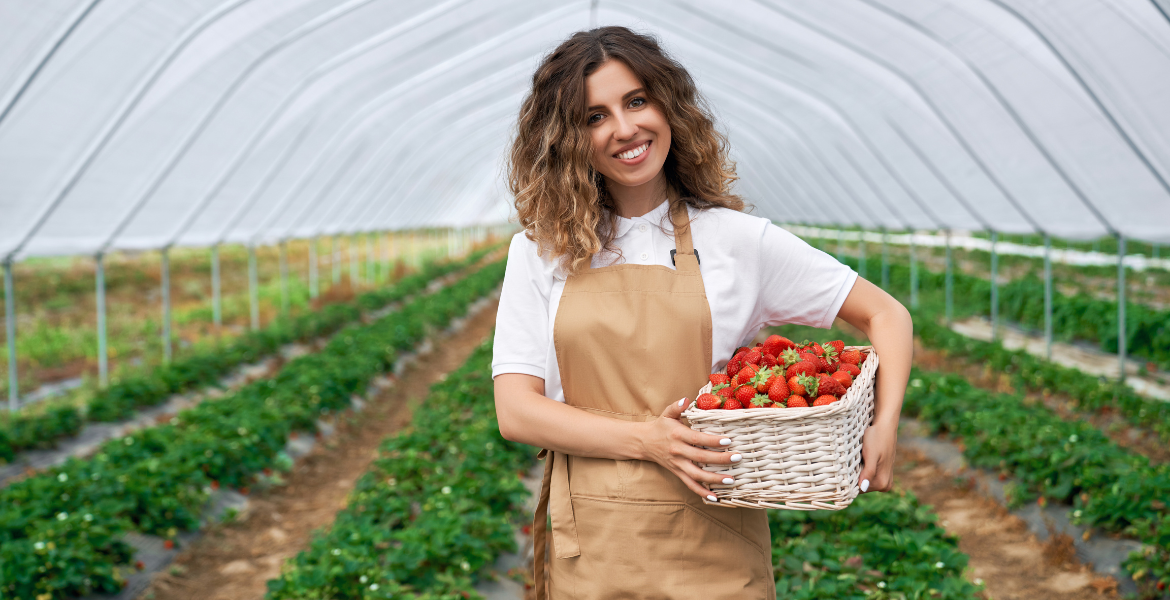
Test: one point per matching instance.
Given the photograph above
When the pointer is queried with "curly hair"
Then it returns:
(560, 198)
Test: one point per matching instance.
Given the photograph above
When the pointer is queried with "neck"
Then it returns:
(637, 200)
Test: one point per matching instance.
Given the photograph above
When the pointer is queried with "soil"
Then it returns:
(1004, 554)
(234, 561)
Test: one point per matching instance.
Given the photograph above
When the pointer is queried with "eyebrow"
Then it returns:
(627, 96)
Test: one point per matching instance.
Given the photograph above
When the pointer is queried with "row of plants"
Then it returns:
(435, 508)
(61, 530)
(43, 428)
(1076, 317)
(1054, 460)
(1051, 458)
(882, 546)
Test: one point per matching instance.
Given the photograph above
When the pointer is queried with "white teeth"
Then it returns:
(636, 152)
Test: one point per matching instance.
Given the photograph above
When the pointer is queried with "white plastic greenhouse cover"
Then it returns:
(151, 123)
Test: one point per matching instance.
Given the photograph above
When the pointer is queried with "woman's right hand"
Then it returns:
(675, 446)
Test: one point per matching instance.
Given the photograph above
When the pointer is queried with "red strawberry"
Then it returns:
(734, 365)
(719, 379)
(837, 345)
(768, 360)
(732, 404)
(811, 384)
(169, 544)
(817, 349)
(853, 370)
(778, 390)
(843, 378)
(139, 565)
(744, 395)
(829, 386)
(741, 350)
(824, 400)
(796, 386)
(752, 357)
(796, 401)
(831, 355)
(726, 393)
(745, 374)
(803, 367)
(851, 356)
(775, 344)
(709, 402)
(809, 356)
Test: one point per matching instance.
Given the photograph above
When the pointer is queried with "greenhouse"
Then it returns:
(264, 295)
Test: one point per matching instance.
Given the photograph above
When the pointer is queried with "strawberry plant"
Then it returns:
(156, 480)
(434, 509)
(120, 400)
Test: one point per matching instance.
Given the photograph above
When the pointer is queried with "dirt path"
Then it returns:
(1004, 554)
(234, 561)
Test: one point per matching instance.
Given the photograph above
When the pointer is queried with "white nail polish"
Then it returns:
(728, 481)
(864, 485)
(680, 402)
(725, 442)
(736, 457)
(712, 498)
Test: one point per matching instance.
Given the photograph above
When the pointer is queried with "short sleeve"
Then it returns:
(798, 283)
(521, 340)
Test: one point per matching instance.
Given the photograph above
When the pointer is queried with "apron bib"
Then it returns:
(630, 339)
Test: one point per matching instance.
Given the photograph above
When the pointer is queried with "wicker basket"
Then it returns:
(796, 459)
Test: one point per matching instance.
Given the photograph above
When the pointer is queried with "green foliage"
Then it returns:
(1066, 461)
(157, 480)
(207, 366)
(435, 508)
(882, 546)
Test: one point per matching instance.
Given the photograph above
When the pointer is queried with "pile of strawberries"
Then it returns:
(782, 374)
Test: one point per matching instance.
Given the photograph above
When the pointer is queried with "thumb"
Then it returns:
(868, 470)
(674, 410)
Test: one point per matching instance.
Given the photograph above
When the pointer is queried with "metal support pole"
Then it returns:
(336, 260)
(371, 261)
(253, 289)
(10, 331)
(1121, 306)
(950, 282)
(885, 260)
(861, 254)
(913, 273)
(354, 270)
(314, 281)
(100, 294)
(284, 298)
(166, 305)
(994, 287)
(1047, 296)
(216, 295)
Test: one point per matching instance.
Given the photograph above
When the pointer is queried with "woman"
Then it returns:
(636, 272)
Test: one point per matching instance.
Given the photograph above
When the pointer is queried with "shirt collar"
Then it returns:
(654, 217)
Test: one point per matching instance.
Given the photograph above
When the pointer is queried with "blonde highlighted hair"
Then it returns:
(560, 198)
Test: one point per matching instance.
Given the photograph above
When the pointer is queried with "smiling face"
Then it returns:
(631, 137)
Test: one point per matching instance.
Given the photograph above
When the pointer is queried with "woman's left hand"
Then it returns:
(878, 447)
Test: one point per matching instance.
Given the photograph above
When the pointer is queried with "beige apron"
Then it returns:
(631, 339)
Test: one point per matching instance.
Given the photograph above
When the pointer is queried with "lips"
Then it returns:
(632, 154)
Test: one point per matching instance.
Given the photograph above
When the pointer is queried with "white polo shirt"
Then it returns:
(756, 275)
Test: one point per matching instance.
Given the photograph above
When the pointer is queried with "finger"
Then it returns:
(693, 485)
(867, 476)
(702, 475)
(695, 438)
(674, 410)
(710, 457)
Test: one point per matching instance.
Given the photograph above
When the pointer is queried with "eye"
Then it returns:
(637, 102)
(593, 118)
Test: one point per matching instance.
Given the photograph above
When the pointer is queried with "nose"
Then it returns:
(626, 128)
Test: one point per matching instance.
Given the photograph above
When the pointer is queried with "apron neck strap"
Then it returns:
(684, 258)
